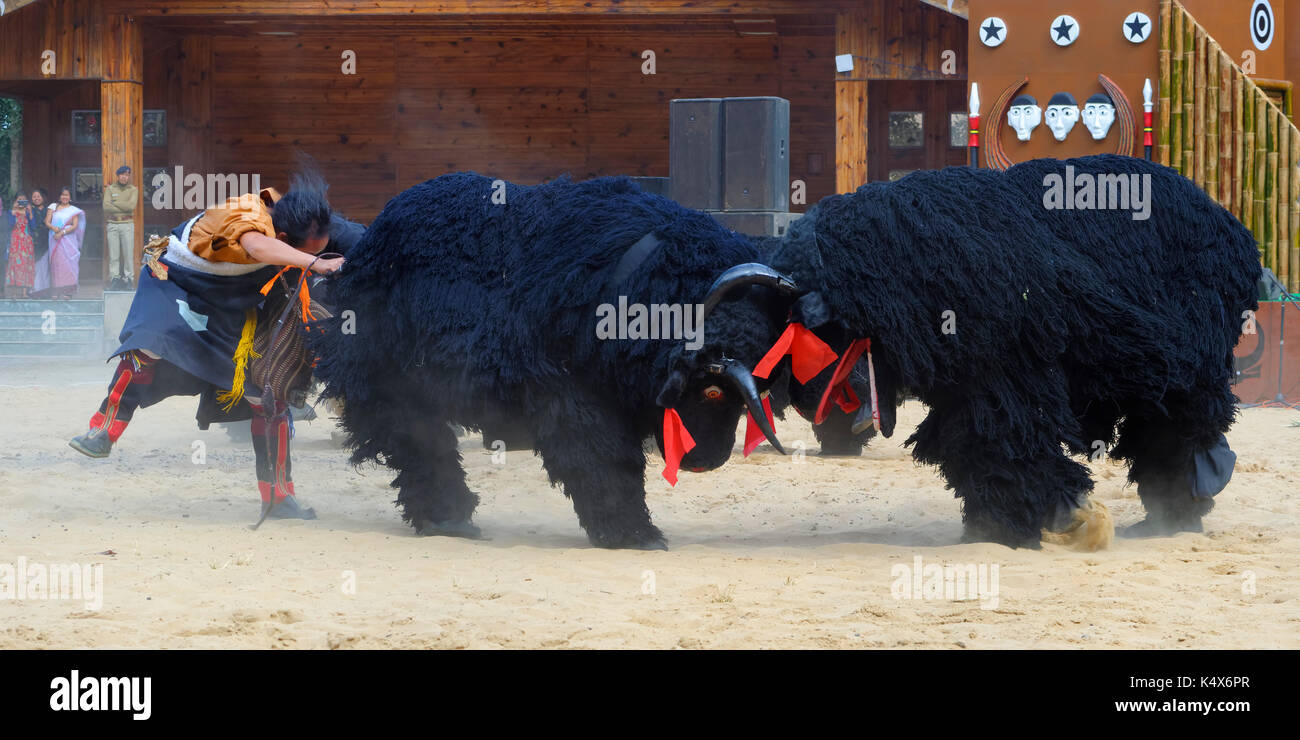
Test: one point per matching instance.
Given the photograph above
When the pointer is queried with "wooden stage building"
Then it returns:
(386, 94)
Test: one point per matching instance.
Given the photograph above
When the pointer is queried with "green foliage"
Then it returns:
(11, 136)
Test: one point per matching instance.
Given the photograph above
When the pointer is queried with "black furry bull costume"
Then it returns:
(477, 302)
(1067, 327)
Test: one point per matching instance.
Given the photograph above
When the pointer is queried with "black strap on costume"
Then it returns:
(631, 260)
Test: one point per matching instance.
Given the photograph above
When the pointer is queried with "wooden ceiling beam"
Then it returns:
(425, 8)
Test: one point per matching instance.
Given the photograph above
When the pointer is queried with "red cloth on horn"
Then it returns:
(809, 355)
(677, 442)
(839, 390)
(753, 435)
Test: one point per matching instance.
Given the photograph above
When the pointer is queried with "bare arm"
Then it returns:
(49, 214)
(275, 252)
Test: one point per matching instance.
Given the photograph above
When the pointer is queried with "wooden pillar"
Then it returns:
(851, 28)
(121, 100)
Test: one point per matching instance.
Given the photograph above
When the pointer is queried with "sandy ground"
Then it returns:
(770, 552)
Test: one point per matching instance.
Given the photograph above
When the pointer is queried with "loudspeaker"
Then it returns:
(756, 164)
(756, 223)
(695, 153)
(653, 185)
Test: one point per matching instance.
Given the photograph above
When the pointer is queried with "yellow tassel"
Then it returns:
(242, 353)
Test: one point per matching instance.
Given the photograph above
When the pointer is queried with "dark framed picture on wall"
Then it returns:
(155, 128)
(85, 127)
(87, 184)
(147, 186)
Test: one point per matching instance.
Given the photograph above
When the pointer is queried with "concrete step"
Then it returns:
(61, 320)
(78, 328)
(59, 307)
(49, 349)
(82, 335)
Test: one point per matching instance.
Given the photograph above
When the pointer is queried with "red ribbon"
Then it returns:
(677, 442)
(753, 435)
(809, 355)
(840, 390)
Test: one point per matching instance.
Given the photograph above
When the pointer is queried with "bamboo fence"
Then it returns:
(1218, 128)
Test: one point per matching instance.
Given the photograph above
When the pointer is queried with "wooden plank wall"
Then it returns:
(901, 40)
(71, 29)
(523, 107)
(49, 156)
(889, 40)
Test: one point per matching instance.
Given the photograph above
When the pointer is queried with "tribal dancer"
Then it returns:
(205, 296)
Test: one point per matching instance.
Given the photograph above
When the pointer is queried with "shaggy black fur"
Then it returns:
(1071, 326)
(484, 315)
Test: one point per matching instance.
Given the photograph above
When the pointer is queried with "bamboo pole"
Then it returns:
(1248, 173)
(1238, 160)
(1248, 165)
(1293, 207)
(1270, 189)
(1189, 93)
(1282, 232)
(1225, 131)
(1166, 83)
(1210, 121)
(1198, 121)
(1261, 162)
(1176, 74)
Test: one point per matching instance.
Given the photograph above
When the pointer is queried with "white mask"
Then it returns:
(1061, 118)
(1024, 119)
(1098, 117)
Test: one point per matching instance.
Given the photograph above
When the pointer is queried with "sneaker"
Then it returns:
(94, 443)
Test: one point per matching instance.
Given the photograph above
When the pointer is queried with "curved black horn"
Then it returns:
(749, 273)
(743, 380)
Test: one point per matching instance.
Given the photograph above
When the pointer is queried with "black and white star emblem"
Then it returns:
(1137, 27)
(993, 31)
(1065, 29)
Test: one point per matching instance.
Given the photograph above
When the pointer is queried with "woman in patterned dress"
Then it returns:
(21, 267)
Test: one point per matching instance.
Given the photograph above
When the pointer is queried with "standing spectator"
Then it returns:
(67, 224)
(21, 263)
(40, 234)
(119, 211)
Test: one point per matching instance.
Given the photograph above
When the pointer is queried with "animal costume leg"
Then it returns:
(414, 438)
(1006, 466)
(602, 468)
(432, 490)
(836, 437)
(1178, 463)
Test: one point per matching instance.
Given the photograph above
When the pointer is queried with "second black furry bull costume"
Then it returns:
(1030, 331)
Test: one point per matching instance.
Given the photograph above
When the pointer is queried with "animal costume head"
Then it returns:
(1098, 115)
(1024, 116)
(709, 388)
(1062, 113)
